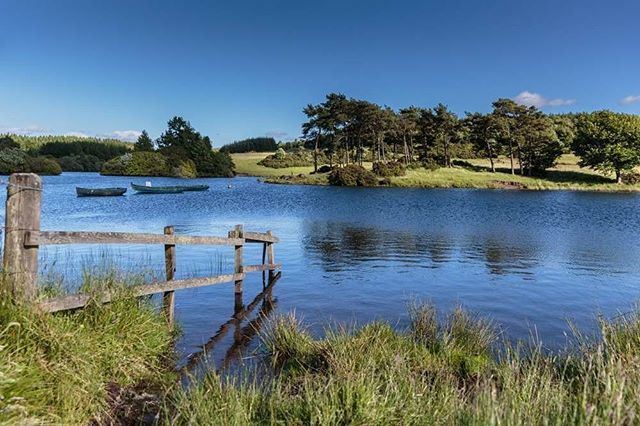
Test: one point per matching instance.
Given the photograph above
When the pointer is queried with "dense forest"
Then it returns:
(349, 131)
(72, 154)
(180, 151)
(262, 144)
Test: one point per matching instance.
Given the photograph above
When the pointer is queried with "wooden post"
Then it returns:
(237, 260)
(270, 256)
(20, 263)
(168, 298)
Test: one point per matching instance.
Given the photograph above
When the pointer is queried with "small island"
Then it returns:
(351, 142)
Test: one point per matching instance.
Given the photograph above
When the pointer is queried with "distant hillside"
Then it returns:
(34, 142)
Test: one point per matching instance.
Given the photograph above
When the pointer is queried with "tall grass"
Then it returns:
(454, 371)
(63, 368)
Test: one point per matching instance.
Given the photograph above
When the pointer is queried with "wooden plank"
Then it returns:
(259, 237)
(237, 258)
(20, 263)
(265, 267)
(271, 257)
(168, 298)
(34, 238)
(75, 301)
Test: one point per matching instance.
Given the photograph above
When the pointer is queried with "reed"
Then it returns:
(454, 371)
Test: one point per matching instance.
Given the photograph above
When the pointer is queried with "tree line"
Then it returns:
(259, 144)
(350, 131)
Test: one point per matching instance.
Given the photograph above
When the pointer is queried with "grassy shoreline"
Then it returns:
(113, 364)
(451, 371)
(566, 175)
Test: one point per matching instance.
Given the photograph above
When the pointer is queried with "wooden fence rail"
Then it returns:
(23, 238)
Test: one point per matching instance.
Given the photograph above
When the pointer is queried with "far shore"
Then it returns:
(566, 175)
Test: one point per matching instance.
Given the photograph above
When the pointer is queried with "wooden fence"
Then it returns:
(23, 237)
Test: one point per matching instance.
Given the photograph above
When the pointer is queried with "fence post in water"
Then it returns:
(20, 263)
(168, 298)
(237, 259)
(270, 256)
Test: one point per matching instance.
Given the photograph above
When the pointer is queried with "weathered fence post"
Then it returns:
(237, 259)
(20, 263)
(270, 256)
(168, 298)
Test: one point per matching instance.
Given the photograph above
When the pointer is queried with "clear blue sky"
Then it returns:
(246, 68)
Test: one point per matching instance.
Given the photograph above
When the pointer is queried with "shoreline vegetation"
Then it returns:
(114, 364)
(354, 142)
(565, 175)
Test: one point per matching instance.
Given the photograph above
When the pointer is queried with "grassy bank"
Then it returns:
(566, 175)
(434, 373)
(91, 365)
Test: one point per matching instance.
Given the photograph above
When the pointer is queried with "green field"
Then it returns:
(567, 175)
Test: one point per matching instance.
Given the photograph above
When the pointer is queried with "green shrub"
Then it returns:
(12, 160)
(352, 175)
(630, 178)
(43, 166)
(116, 166)
(392, 168)
(280, 154)
(298, 158)
(140, 163)
(80, 163)
(185, 169)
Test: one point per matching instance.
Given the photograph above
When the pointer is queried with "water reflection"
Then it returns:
(197, 363)
(340, 246)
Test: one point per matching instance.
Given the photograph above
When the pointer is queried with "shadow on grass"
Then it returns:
(556, 176)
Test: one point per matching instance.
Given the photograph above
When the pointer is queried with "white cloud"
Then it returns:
(537, 100)
(126, 135)
(28, 130)
(630, 100)
(77, 134)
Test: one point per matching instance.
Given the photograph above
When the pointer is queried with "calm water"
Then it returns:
(529, 260)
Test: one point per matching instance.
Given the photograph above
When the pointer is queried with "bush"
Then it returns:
(299, 158)
(352, 175)
(12, 160)
(80, 163)
(630, 178)
(392, 168)
(280, 154)
(140, 163)
(185, 169)
(43, 166)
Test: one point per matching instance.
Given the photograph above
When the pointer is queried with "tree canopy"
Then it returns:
(608, 141)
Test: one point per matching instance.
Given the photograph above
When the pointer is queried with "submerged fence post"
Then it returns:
(20, 263)
(270, 256)
(238, 232)
(168, 298)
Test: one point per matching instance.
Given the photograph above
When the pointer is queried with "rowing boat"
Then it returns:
(194, 187)
(100, 192)
(143, 189)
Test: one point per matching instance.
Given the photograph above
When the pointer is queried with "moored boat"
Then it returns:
(147, 189)
(100, 192)
(194, 187)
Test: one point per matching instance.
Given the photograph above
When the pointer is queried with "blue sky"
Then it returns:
(237, 69)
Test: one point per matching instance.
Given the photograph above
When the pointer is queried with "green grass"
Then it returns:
(247, 165)
(448, 372)
(59, 368)
(566, 175)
